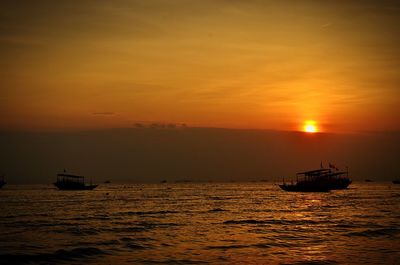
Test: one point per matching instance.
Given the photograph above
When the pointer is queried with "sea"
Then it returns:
(200, 223)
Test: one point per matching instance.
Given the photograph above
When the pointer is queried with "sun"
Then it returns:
(310, 126)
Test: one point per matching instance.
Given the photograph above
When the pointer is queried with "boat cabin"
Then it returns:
(70, 178)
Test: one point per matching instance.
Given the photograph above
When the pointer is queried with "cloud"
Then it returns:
(105, 113)
(326, 25)
(159, 125)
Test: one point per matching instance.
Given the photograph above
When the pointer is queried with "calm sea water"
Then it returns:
(247, 223)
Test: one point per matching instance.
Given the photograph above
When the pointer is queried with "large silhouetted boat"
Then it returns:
(396, 181)
(72, 182)
(2, 182)
(318, 180)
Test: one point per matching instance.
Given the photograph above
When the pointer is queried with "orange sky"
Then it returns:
(239, 64)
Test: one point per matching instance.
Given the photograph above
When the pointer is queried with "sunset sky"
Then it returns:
(235, 64)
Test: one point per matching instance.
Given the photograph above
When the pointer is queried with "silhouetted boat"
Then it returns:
(318, 180)
(309, 181)
(72, 182)
(396, 181)
(368, 180)
(2, 182)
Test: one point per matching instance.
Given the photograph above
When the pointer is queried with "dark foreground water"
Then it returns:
(253, 223)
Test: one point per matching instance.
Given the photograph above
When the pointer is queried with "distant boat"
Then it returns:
(107, 182)
(318, 180)
(2, 182)
(396, 181)
(368, 180)
(72, 182)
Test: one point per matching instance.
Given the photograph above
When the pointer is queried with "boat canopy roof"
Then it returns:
(337, 173)
(314, 171)
(70, 176)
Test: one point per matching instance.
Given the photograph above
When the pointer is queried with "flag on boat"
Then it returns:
(333, 167)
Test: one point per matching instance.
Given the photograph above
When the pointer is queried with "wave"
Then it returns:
(88, 218)
(283, 222)
(135, 246)
(147, 212)
(312, 262)
(388, 232)
(262, 245)
(157, 225)
(139, 227)
(268, 210)
(249, 221)
(111, 242)
(60, 255)
(30, 215)
(227, 247)
(128, 229)
(132, 243)
(217, 210)
(216, 198)
(129, 239)
(346, 225)
(39, 224)
(258, 245)
(173, 261)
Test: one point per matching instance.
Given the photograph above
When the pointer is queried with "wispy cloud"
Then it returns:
(105, 113)
(324, 26)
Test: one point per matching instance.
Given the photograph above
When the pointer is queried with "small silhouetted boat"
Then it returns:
(396, 181)
(368, 180)
(319, 180)
(2, 182)
(72, 182)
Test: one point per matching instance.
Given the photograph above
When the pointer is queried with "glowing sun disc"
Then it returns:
(310, 127)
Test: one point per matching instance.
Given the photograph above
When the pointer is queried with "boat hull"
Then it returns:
(333, 184)
(73, 186)
(300, 188)
(340, 184)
